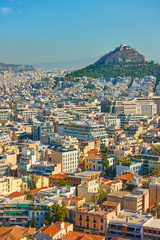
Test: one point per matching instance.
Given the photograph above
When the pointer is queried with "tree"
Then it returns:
(63, 182)
(155, 172)
(32, 181)
(100, 196)
(29, 196)
(105, 162)
(56, 213)
(34, 222)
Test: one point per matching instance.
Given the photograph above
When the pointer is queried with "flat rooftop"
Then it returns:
(153, 223)
(131, 217)
(119, 194)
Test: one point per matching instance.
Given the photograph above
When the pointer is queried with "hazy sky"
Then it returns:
(34, 31)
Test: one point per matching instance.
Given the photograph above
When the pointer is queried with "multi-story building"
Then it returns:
(14, 212)
(138, 200)
(154, 191)
(88, 188)
(92, 220)
(68, 158)
(5, 114)
(128, 224)
(42, 131)
(85, 131)
(76, 178)
(11, 184)
(44, 168)
(135, 167)
(4, 166)
(151, 230)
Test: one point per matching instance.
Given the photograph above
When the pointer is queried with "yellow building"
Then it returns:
(11, 184)
(42, 182)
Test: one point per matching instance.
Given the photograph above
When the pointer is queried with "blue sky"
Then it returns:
(34, 31)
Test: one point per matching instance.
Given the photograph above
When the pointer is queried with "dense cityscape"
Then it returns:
(79, 159)
(79, 120)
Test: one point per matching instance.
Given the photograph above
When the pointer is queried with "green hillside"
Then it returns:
(123, 61)
(114, 70)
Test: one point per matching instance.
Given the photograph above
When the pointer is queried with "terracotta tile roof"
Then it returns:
(37, 189)
(74, 198)
(53, 229)
(72, 235)
(126, 177)
(94, 156)
(59, 176)
(16, 194)
(15, 232)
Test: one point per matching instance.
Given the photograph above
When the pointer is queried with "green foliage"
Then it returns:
(105, 162)
(29, 196)
(32, 181)
(56, 213)
(113, 70)
(63, 182)
(100, 196)
(155, 172)
(34, 222)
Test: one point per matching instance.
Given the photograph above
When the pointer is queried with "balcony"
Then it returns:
(95, 221)
(87, 220)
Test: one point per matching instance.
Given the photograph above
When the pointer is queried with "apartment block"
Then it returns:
(128, 224)
(92, 220)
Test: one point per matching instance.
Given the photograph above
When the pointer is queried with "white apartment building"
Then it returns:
(68, 158)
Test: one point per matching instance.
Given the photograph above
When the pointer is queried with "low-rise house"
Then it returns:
(111, 185)
(54, 231)
(17, 196)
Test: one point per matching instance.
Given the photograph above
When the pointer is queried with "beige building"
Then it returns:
(88, 188)
(122, 153)
(138, 200)
(92, 220)
(154, 191)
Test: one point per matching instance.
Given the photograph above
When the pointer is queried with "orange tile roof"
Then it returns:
(72, 235)
(15, 232)
(75, 198)
(16, 194)
(37, 189)
(94, 156)
(126, 177)
(59, 176)
(53, 229)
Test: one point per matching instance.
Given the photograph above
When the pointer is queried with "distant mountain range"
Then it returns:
(123, 61)
(74, 64)
(15, 67)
